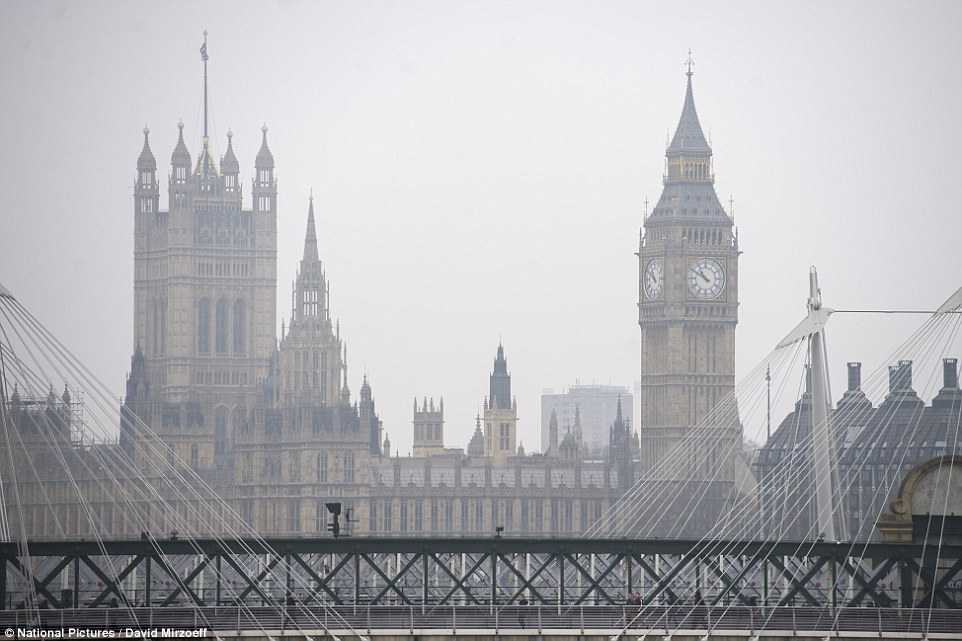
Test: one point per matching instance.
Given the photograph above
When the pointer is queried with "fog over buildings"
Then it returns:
(480, 171)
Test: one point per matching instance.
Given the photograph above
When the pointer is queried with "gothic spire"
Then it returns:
(500, 383)
(180, 156)
(689, 173)
(265, 159)
(689, 139)
(310, 238)
(146, 160)
(229, 162)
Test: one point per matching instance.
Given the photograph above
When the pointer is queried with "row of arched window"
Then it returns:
(348, 469)
(223, 322)
(703, 236)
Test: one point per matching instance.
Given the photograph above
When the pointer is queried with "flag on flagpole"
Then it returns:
(203, 52)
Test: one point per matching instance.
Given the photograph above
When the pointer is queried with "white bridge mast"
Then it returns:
(813, 329)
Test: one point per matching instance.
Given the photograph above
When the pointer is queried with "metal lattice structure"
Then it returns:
(482, 572)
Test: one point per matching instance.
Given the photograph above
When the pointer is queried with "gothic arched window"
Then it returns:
(159, 329)
(349, 467)
(220, 432)
(163, 325)
(240, 325)
(220, 327)
(203, 326)
(322, 467)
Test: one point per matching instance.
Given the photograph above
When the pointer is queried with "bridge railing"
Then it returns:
(607, 619)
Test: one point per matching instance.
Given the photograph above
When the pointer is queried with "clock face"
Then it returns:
(654, 279)
(706, 278)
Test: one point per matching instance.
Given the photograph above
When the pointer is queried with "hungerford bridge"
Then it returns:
(606, 585)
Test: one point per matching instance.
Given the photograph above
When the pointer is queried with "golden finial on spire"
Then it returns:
(731, 207)
(311, 197)
(689, 62)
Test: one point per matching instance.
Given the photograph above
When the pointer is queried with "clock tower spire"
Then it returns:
(687, 307)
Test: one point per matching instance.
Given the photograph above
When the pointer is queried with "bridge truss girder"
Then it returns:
(480, 571)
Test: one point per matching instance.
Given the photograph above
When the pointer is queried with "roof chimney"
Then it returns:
(854, 376)
(900, 376)
(950, 373)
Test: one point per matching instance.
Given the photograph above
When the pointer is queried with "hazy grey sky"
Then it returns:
(480, 170)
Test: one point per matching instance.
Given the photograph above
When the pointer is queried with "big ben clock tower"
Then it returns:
(687, 310)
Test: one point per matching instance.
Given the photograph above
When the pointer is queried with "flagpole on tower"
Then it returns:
(203, 55)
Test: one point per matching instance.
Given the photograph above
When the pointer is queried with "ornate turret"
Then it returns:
(386, 452)
(265, 159)
(428, 428)
(368, 417)
(146, 160)
(230, 166)
(476, 444)
(265, 186)
(180, 157)
(622, 448)
(146, 190)
(552, 435)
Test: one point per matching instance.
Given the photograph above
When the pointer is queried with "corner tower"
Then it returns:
(688, 296)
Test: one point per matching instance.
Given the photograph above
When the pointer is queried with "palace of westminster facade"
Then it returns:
(271, 425)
